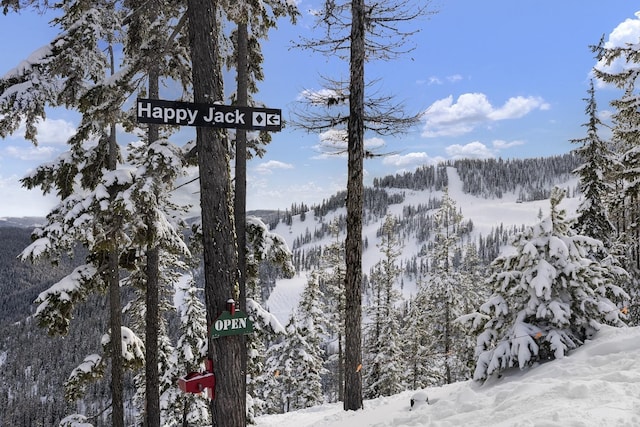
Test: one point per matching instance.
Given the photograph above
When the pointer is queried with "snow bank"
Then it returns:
(596, 385)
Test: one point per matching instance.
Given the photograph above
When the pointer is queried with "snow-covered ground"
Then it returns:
(486, 214)
(597, 385)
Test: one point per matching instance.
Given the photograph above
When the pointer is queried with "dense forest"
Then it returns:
(103, 337)
(35, 366)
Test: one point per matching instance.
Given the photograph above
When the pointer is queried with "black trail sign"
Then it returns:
(212, 115)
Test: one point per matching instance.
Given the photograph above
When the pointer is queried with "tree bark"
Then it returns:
(240, 206)
(219, 240)
(115, 325)
(152, 318)
(113, 280)
(353, 242)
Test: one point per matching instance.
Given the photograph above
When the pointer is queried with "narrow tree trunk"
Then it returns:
(152, 319)
(340, 369)
(240, 206)
(219, 240)
(115, 306)
(353, 242)
(115, 325)
(447, 339)
(152, 376)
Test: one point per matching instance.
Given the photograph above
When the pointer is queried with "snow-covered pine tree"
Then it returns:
(623, 203)
(382, 357)
(420, 368)
(93, 366)
(76, 71)
(262, 246)
(474, 290)
(595, 174)
(153, 48)
(297, 365)
(447, 297)
(548, 297)
(170, 361)
(180, 408)
(331, 278)
(86, 178)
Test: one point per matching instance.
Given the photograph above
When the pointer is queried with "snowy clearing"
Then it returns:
(596, 385)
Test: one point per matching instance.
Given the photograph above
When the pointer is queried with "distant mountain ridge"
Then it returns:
(24, 222)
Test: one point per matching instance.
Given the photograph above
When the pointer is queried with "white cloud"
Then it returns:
(410, 159)
(334, 137)
(21, 202)
(264, 195)
(518, 107)
(268, 167)
(30, 152)
(435, 80)
(626, 32)
(334, 143)
(374, 143)
(50, 131)
(473, 150)
(53, 134)
(446, 118)
(499, 144)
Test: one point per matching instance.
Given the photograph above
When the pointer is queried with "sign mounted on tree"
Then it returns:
(161, 112)
(231, 322)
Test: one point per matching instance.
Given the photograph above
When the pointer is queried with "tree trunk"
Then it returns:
(113, 280)
(152, 376)
(353, 242)
(152, 319)
(340, 369)
(240, 206)
(115, 325)
(219, 241)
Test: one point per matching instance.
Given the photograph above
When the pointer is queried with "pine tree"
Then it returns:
(191, 351)
(447, 297)
(262, 246)
(297, 364)
(77, 72)
(253, 22)
(365, 31)
(419, 361)
(83, 71)
(548, 297)
(595, 178)
(623, 205)
(331, 279)
(382, 367)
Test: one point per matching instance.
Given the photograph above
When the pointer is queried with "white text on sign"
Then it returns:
(209, 115)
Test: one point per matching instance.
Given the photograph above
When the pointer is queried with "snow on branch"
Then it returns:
(260, 317)
(56, 304)
(91, 369)
(132, 347)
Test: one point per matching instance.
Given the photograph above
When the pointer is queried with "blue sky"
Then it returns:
(500, 78)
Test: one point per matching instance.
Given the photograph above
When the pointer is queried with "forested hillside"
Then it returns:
(35, 366)
(532, 179)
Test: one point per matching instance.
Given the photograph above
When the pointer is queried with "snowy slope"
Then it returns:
(597, 385)
(485, 214)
